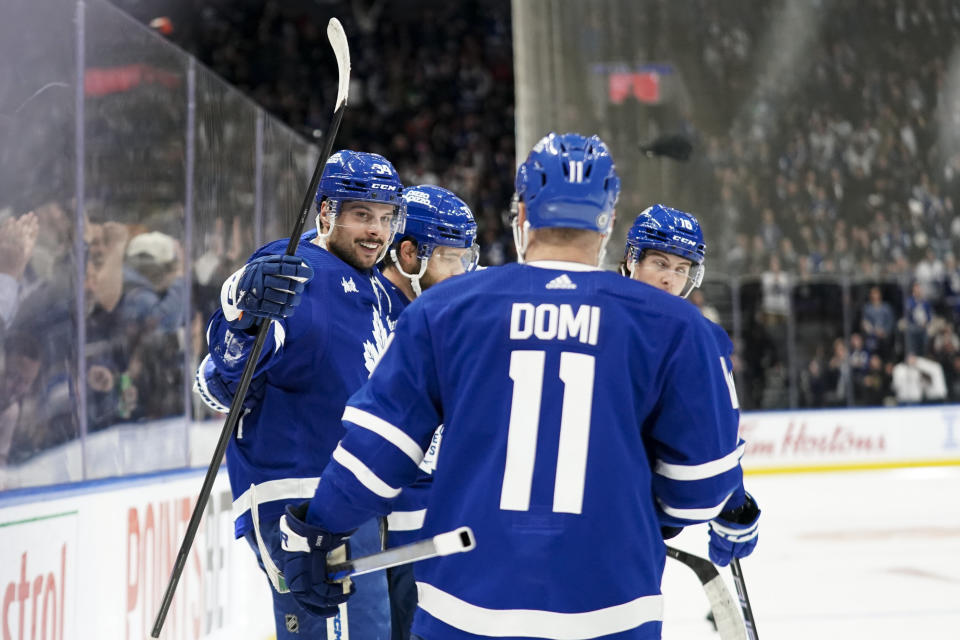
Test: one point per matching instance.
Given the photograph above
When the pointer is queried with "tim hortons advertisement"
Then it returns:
(96, 565)
(851, 438)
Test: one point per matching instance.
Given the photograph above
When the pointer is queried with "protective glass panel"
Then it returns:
(135, 146)
(39, 276)
(822, 366)
(876, 344)
(764, 377)
(225, 206)
(288, 163)
(119, 264)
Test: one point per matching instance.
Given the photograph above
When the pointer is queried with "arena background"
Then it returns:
(157, 143)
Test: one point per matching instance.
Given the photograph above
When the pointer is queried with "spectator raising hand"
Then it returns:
(105, 245)
(18, 236)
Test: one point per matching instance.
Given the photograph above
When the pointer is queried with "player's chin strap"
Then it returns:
(602, 254)
(332, 217)
(520, 238)
(413, 277)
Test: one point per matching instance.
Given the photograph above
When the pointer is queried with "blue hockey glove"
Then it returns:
(267, 287)
(217, 392)
(733, 534)
(303, 563)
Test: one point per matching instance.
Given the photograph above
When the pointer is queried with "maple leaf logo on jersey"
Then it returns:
(349, 286)
(561, 282)
(373, 351)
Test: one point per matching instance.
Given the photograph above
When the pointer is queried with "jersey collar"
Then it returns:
(562, 265)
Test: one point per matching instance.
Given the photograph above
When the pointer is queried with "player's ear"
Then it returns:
(325, 215)
(521, 213)
(408, 250)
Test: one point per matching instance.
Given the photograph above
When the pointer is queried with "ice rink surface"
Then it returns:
(843, 555)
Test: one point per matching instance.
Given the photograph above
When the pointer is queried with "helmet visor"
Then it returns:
(658, 272)
(455, 260)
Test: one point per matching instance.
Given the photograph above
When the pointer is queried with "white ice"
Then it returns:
(843, 555)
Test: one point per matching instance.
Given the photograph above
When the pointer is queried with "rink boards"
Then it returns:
(92, 560)
(840, 439)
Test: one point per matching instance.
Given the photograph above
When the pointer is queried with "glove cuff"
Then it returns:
(745, 514)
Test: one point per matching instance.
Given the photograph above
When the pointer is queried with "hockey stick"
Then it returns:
(338, 40)
(443, 544)
(725, 616)
(745, 607)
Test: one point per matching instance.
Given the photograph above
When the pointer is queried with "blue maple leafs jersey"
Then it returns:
(313, 361)
(581, 410)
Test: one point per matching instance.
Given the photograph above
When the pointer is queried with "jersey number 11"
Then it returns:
(526, 371)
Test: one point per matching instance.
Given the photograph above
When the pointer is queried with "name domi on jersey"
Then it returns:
(547, 321)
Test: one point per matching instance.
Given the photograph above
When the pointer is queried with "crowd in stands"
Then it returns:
(133, 300)
(431, 89)
(849, 170)
(842, 164)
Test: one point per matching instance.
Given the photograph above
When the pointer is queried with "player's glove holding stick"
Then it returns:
(303, 562)
(733, 534)
(266, 287)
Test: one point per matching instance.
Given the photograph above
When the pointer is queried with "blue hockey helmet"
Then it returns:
(436, 217)
(671, 231)
(358, 175)
(570, 181)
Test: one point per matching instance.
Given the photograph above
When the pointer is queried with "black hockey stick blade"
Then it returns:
(674, 145)
(725, 615)
(745, 607)
(338, 40)
(459, 540)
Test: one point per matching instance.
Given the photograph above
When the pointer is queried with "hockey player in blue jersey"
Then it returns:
(331, 313)
(665, 249)
(438, 241)
(582, 412)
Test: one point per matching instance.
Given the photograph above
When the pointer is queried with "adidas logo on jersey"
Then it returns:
(348, 285)
(561, 282)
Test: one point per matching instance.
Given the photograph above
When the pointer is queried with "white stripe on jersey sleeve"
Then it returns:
(698, 515)
(406, 520)
(385, 430)
(700, 471)
(534, 623)
(364, 475)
